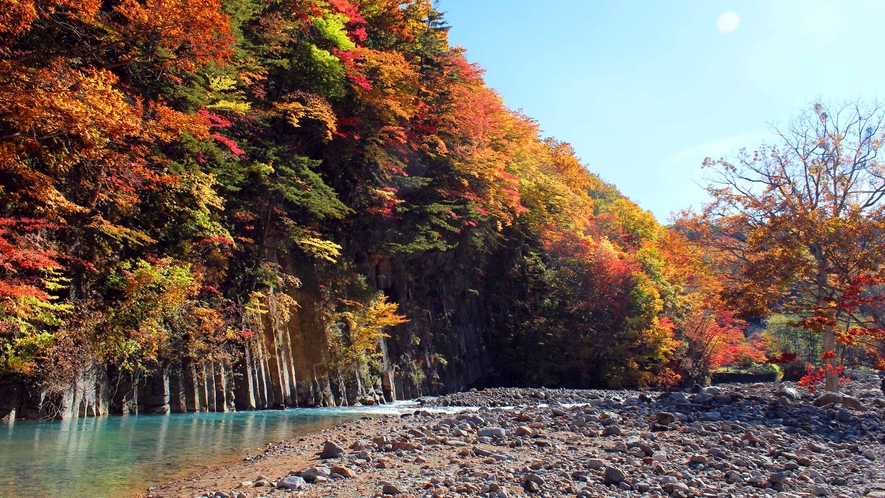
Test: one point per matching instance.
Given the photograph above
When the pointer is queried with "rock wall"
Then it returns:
(440, 350)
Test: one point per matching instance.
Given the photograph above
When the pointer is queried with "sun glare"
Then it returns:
(728, 22)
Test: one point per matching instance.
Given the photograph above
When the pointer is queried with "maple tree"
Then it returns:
(801, 224)
(30, 271)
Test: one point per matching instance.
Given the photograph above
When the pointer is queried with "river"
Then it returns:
(122, 456)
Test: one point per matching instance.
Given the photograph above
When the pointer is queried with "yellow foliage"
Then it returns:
(364, 325)
(229, 106)
(221, 83)
(319, 248)
(303, 105)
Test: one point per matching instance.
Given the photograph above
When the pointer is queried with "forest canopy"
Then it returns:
(181, 181)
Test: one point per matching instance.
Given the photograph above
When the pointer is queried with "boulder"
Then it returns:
(665, 418)
(827, 398)
(390, 489)
(331, 450)
(342, 471)
(790, 393)
(292, 482)
(311, 474)
(853, 404)
(613, 475)
(492, 432)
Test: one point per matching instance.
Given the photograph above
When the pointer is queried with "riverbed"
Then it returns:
(729, 440)
(119, 456)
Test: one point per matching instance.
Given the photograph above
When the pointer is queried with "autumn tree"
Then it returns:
(801, 223)
(171, 171)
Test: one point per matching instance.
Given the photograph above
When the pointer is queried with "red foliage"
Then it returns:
(351, 11)
(23, 251)
(358, 34)
(352, 69)
(783, 358)
(214, 240)
(210, 289)
(853, 296)
(813, 377)
(213, 120)
(816, 323)
(229, 143)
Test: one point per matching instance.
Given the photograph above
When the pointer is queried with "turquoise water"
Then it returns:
(123, 456)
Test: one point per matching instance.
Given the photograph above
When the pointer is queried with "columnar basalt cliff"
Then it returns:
(442, 350)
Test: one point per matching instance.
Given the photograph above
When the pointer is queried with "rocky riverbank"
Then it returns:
(724, 441)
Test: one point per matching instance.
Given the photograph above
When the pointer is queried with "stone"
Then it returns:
(311, 474)
(613, 475)
(790, 393)
(612, 430)
(698, 459)
(331, 450)
(390, 489)
(493, 432)
(678, 489)
(777, 478)
(816, 447)
(853, 404)
(665, 418)
(820, 490)
(342, 471)
(869, 454)
(522, 431)
(292, 482)
(406, 446)
(535, 478)
(595, 464)
(475, 420)
(843, 415)
(659, 456)
(827, 398)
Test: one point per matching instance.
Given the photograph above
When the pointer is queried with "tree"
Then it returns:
(801, 223)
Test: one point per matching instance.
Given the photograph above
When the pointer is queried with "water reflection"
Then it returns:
(122, 456)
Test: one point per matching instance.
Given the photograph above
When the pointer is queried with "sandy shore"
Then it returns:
(729, 440)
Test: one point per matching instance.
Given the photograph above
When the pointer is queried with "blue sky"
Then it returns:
(644, 90)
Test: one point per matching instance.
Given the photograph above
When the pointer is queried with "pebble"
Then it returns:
(773, 440)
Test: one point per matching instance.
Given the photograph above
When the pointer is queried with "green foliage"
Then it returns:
(328, 69)
(331, 27)
(782, 336)
(150, 298)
